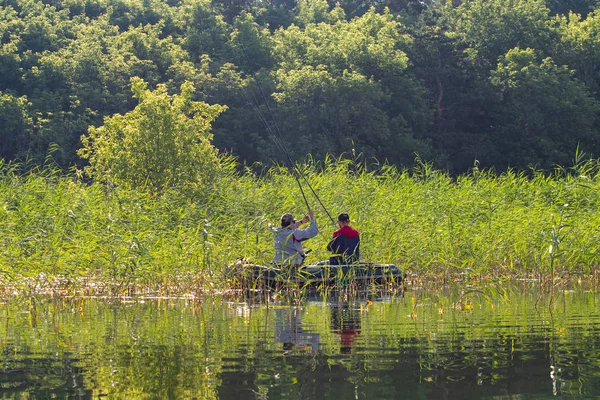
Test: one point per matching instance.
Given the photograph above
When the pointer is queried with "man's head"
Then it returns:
(287, 220)
(343, 219)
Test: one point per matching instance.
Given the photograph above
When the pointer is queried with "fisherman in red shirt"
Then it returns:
(345, 243)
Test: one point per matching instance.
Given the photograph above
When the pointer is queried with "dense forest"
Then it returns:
(509, 83)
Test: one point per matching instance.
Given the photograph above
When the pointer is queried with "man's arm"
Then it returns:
(310, 232)
(333, 245)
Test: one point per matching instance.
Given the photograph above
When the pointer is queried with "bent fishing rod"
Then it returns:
(278, 140)
(278, 143)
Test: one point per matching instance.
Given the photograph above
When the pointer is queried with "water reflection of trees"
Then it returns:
(231, 351)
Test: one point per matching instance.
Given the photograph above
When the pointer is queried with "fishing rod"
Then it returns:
(280, 142)
(253, 101)
(296, 170)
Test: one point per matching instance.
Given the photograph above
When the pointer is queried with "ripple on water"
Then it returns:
(386, 348)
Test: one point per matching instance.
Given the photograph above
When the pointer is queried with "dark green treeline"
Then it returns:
(506, 82)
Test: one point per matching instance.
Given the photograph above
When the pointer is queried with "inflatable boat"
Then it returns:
(320, 274)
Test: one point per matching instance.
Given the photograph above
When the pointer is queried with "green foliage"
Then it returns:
(251, 43)
(163, 143)
(542, 101)
(425, 69)
(577, 46)
(582, 7)
(332, 112)
(16, 125)
(458, 51)
(316, 11)
(206, 31)
(420, 219)
(371, 44)
(488, 29)
(335, 86)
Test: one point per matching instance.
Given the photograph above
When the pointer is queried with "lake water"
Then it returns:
(441, 343)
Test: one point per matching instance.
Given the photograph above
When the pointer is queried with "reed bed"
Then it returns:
(57, 229)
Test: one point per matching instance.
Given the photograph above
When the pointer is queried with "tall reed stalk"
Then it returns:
(57, 226)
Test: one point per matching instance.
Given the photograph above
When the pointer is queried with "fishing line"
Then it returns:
(278, 139)
(278, 142)
(296, 170)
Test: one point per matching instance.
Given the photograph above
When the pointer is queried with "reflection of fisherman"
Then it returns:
(288, 239)
(289, 331)
(345, 323)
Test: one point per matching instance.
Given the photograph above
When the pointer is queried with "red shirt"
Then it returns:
(347, 231)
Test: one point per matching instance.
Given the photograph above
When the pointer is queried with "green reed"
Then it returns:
(58, 228)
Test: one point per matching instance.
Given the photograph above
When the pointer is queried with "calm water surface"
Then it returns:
(499, 343)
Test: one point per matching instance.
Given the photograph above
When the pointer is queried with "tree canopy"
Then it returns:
(509, 83)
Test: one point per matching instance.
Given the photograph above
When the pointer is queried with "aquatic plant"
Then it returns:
(59, 229)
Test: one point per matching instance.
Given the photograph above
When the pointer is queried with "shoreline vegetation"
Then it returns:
(160, 109)
(62, 235)
(506, 82)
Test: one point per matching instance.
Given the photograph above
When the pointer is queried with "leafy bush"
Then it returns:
(165, 142)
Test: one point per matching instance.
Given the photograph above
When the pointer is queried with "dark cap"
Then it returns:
(343, 217)
(286, 220)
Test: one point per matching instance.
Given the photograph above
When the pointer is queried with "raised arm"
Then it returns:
(311, 231)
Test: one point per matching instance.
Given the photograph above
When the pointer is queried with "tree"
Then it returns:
(315, 11)
(545, 113)
(164, 142)
(457, 45)
(206, 31)
(16, 126)
(487, 29)
(582, 7)
(346, 86)
(578, 47)
(457, 91)
(251, 44)
(332, 114)
(356, 8)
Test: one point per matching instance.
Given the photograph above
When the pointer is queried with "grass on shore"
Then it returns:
(58, 228)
